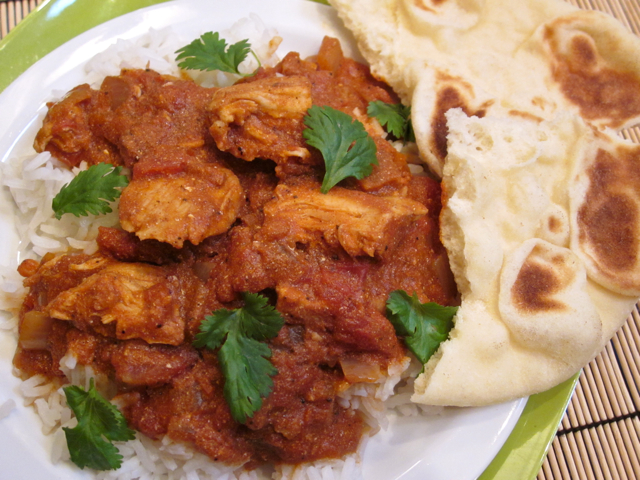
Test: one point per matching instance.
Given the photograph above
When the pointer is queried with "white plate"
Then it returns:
(457, 445)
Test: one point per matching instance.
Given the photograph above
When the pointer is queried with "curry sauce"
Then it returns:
(223, 199)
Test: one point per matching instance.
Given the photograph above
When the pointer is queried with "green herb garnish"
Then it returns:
(243, 358)
(99, 424)
(346, 147)
(395, 117)
(424, 326)
(90, 191)
(210, 52)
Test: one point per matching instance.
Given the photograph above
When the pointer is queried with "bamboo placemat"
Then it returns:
(599, 437)
(12, 12)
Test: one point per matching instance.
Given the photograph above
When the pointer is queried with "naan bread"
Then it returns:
(532, 312)
(527, 58)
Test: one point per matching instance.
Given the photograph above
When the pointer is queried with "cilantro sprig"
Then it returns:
(99, 424)
(395, 117)
(346, 147)
(243, 358)
(90, 191)
(424, 326)
(210, 52)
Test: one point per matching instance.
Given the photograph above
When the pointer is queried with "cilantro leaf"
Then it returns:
(90, 191)
(99, 423)
(210, 52)
(395, 117)
(243, 358)
(346, 147)
(424, 326)
(247, 373)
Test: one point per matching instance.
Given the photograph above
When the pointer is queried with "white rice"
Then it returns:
(35, 179)
(7, 407)
(156, 50)
(165, 460)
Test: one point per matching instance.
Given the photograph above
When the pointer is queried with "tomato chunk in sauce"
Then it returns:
(224, 198)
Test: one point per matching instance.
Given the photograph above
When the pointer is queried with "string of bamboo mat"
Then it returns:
(599, 436)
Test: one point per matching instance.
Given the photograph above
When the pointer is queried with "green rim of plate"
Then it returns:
(57, 21)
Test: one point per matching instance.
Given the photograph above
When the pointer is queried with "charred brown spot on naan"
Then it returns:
(438, 92)
(420, 4)
(615, 214)
(554, 224)
(604, 91)
(525, 115)
(607, 222)
(584, 52)
(536, 284)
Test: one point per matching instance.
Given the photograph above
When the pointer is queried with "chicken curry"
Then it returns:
(224, 198)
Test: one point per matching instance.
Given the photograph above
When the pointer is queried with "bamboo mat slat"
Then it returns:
(599, 436)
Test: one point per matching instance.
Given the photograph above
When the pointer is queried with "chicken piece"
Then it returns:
(262, 118)
(360, 223)
(346, 85)
(392, 171)
(136, 115)
(67, 133)
(137, 363)
(152, 116)
(144, 301)
(190, 206)
(57, 273)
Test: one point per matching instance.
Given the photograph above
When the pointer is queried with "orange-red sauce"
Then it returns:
(132, 310)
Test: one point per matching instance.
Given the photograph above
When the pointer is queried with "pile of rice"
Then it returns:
(33, 181)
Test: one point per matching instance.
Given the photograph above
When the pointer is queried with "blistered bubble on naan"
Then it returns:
(605, 218)
(593, 63)
(544, 303)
